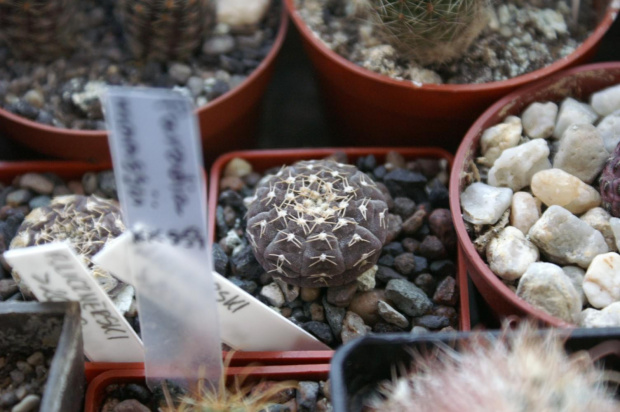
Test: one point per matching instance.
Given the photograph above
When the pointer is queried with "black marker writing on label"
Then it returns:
(132, 168)
(233, 303)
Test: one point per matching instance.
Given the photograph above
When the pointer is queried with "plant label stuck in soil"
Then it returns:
(55, 273)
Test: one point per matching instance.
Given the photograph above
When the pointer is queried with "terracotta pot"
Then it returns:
(96, 389)
(366, 108)
(262, 160)
(360, 365)
(579, 83)
(231, 118)
(29, 327)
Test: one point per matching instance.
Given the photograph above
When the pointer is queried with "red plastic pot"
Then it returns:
(367, 108)
(95, 393)
(262, 160)
(579, 83)
(232, 118)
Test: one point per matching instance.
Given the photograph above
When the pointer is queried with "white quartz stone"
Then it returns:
(545, 286)
(606, 101)
(602, 281)
(614, 223)
(576, 275)
(241, 13)
(565, 239)
(524, 211)
(594, 318)
(539, 120)
(609, 130)
(498, 138)
(599, 219)
(581, 152)
(510, 253)
(516, 166)
(483, 204)
(573, 112)
(556, 187)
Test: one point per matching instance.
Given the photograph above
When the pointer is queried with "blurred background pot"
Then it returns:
(579, 83)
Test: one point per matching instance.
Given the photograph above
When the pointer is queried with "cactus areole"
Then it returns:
(610, 184)
(317, 223)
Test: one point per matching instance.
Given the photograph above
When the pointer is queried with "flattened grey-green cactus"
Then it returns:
(317, 223)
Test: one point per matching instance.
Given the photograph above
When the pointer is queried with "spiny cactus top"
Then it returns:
(430, 31)
(38, 29)
(317, 223)
(87, 222)
(610, 184)
(166, 29)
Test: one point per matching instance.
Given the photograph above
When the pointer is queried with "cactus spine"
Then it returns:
(430, 31)
(38, 30)
(165, 29)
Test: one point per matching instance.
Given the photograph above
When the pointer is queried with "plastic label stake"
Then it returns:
(245, 322)
(158, 168)
(55, 273)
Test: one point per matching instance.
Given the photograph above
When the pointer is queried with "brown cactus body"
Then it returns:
(166, 29)
(610, 184)
(38, 29)
(317, 223)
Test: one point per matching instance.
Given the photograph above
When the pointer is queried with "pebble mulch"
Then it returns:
(65, 92)
(22, 380)
(414, 287)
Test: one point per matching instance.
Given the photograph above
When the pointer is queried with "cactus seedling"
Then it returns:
(317, 223)
(430, 31)
(166, 29)
(524, 370)
(610, 184)
(38, 29)
(88, 223)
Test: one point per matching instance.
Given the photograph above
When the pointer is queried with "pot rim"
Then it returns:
(588, 44)
(455, 188)
(264, 64)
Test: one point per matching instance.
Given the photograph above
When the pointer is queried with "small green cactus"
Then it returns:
(39, 30)
(166, 29)
(317, 223)
(430, 31)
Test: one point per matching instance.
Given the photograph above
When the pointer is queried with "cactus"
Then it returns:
(317, 223)
(38, 29)
(430, 31)
(165, 29)
(610, 184)
(87, 222)
(523, 370)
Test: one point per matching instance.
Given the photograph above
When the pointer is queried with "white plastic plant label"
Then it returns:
(55, 273)
(245, 322)
(157, 160)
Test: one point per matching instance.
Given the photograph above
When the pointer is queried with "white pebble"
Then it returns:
(510, 254)
(273, 294)
(516, 166)
(539, 120)
(545, 286)
(594, 318)
(606, 101)
(524, 211)
(614, 223)
(581, 152)
(565, 239)
(599, 219)
(602, 281)
(556, 187)
(572, 112)
(483, 204)
(576, 275)
(29, 404)
(241, 13)
(609, 130)
(498, 138)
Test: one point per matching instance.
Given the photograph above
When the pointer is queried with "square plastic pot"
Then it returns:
(30, 326)
(365, 362)
(95, 394)
(579, 83)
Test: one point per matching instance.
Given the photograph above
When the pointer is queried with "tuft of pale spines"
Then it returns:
(38, 30)
(429, 31)
(164, 30)
(521, 371)
(317, 223)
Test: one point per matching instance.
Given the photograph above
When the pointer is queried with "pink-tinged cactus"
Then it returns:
(610, 184)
